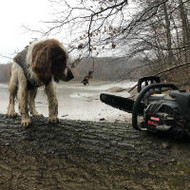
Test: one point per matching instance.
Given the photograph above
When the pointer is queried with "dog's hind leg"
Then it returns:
(13, 85)
(32, 108)
(53, 103)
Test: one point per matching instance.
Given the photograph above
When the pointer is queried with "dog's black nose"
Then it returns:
(70, 75)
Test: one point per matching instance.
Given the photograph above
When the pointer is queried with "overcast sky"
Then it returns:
(17, 13)
(14, 14)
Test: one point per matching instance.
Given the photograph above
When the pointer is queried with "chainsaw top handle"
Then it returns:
(136, 106)
(147, 81)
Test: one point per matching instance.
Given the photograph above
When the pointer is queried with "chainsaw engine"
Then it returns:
(163, 114)
(166, 108)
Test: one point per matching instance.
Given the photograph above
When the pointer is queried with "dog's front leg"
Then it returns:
(23, 103)
(53, 103)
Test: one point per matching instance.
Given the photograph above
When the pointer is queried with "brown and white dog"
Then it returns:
(39, 64)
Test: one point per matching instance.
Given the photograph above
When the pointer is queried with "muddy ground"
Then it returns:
(89, 155)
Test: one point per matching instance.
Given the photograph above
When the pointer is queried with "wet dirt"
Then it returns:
(89, 155)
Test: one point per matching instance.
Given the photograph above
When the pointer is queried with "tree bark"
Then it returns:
(185, 29)
(89, 155)
(168, 34)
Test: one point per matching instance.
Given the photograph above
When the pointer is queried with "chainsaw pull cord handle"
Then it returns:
(136, 106)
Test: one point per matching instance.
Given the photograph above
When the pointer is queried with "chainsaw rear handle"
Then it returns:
(136, 106)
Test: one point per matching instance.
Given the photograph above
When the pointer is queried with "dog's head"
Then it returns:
(49, 58)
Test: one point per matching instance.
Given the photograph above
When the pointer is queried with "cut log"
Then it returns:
(89, 155)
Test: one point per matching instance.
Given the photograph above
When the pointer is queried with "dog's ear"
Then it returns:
(41, 61)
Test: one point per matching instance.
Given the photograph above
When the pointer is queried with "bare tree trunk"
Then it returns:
(185, 29)
(168, 35)
(178, 55)
(88, 155)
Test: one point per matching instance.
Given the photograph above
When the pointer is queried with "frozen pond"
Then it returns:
(78, 102)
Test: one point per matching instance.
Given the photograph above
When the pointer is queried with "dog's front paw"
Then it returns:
(12, 114)
(25, 122)
(53, 119)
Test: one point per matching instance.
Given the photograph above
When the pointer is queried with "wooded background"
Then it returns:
(155, 32)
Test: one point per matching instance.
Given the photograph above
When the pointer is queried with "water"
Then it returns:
(78, 102)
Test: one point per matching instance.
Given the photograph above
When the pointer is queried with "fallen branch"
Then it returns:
(163, 71)
(172, 68)
(87, 155)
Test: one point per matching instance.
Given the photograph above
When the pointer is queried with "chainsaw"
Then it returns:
(158, 108)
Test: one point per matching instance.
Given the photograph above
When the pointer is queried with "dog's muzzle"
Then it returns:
(66, 76)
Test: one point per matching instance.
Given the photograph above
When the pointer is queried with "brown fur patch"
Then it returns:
(48, 57)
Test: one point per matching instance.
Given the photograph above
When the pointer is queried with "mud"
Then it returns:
(89, 155)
